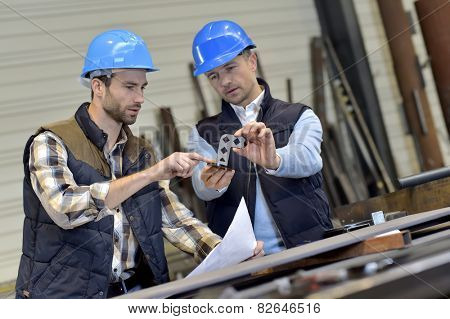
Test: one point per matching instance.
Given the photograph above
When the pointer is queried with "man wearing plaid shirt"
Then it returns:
(97, 203)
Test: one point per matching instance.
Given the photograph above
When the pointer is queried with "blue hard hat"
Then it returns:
(117, 49)
(217, 43)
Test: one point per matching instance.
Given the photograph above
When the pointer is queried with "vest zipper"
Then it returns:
(274, 219)
(134, 163)
(110, 265)
(248, 181)
(278, 230)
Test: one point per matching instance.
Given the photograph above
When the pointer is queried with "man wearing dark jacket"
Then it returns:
(279, 171)
(97, 203)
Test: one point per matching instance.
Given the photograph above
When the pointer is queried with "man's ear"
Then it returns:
(97, 87)
(253, 61)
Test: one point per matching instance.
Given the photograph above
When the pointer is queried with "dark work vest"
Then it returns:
(76, 263)
(298, 206)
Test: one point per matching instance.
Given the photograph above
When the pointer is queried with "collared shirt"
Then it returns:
(70, 205)
(249, 113)
(125, 244)
(299, 158)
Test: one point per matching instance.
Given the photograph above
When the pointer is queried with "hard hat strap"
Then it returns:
(102, 72)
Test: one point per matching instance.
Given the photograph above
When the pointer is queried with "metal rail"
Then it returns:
(284, 257)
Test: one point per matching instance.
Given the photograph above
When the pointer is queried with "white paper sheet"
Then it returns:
(237, 245)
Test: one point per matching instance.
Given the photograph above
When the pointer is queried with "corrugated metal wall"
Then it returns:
(41, 47)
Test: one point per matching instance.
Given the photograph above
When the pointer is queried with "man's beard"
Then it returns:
(112, 108)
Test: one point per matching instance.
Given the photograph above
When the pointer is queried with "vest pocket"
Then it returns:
(298, 214)
(147, 189)
(301, 218)
(22, 283)
(323, 208)
(67, 275)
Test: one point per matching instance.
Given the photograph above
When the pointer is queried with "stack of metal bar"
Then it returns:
(356, 264)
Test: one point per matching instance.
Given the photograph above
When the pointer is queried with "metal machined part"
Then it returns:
(227, 142)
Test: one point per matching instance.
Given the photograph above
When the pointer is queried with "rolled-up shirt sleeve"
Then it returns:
(69, 205)
(182, 229)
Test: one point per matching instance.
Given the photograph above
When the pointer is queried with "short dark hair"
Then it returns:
(246, 52)
(105, 79)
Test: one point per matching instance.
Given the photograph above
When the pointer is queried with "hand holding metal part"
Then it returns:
(218, 175)
(226, 144)
(260, 148)
(254, 141)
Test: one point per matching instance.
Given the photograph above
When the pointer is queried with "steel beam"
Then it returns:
(415, 101)
(284, 257)
(434, 17)
(338, 21)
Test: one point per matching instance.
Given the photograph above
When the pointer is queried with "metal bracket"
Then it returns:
(420, 112)
(227, 142)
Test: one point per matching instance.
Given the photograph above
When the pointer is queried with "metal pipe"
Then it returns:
(425, 177)
(339, 21)
(284, 257)
(434, 17)
(289, 90)
(396, 25)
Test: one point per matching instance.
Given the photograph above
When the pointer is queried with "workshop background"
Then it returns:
(42, 43)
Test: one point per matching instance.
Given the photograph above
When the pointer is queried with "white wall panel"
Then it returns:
(41, 48)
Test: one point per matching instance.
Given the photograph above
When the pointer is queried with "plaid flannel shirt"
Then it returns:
(71, 205)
